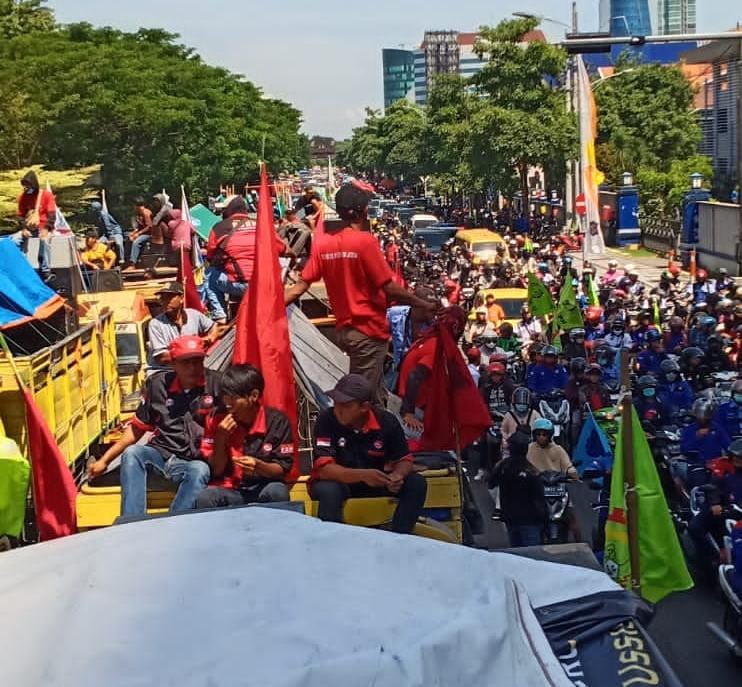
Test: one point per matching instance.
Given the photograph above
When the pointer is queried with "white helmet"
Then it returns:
(613, 263)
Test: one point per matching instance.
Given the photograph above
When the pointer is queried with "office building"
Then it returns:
(626, 17)
(398, 69)
(675, 17)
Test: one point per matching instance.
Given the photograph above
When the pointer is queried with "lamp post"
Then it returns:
(627, 211)
(689, 234)
(696, 181)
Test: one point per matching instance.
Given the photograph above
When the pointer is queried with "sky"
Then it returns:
(324, 57)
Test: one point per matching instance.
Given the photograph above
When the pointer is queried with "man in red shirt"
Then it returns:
(36, 210)
(358, 281)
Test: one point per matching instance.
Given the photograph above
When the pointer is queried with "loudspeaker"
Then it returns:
(62, 252)
(67, 282)
(105, 280)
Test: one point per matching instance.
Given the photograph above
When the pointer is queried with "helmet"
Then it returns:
(577, 366)
(576, 333)
(543, 267)
(496, 369)
(537, 348)
(613, 264)
(702, 274)
(594, 367)
(668, 366)
(735, 449)
(645, 314)
(549, 350)
(723, 271)
(506, 330)
(522, 396)
(691, 352)
(594, 313)
(618, 326)
(629, 268)
(665, 276)
(474, 355)
(674, 270)
(653, 335)
(543, 425)
(703, 409)
(707, 322)
(481, 310)
(725, 303)
(715, 341)
(647, 381)
(633, 272)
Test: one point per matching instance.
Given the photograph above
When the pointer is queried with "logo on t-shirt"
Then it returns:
(378, 445)
(341, 442)
(324, 443)
(286, 449)
(267, 448)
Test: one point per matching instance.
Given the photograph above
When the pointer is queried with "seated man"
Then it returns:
(172, 408)
(359, 452)
(249, 446)
(97, 255)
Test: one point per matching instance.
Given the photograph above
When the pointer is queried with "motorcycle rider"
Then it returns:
(647, 405)
(575, 347)
(548, 375)
(725, 492)
(508, 342)
(673, 392)
(704, 436)
(474, 363)
(594, 329)
(676, 338)
(716, 359)
(545, 455)
(650, 360)
(479, 326)
(729, 414)
(618, 337)
(702, 288)
(693, 368)
(593, 391)
(611, 276)
(725, 284)
(702, 329)
(497, 390)
(520, 418)
(641, 331)
(529, 328)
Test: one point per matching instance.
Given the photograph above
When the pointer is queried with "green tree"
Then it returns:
(18, 17)
(662, 192)
(645, 119)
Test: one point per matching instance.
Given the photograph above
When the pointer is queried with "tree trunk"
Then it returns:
(526, 204)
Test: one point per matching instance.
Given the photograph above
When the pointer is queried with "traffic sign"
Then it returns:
(581, 205)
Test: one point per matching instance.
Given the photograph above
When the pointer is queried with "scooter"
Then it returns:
(553, 406)
(557, 502)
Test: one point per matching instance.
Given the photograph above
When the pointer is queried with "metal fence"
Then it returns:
(660, 235)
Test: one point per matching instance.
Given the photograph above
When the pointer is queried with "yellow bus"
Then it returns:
(482, 244)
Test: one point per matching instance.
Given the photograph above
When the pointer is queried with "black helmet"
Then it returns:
(647, 381)
(578, 366)
(549, 350)
(735, 449)
(691, 352)
(522, 396)
(668, 366)
(576, 333)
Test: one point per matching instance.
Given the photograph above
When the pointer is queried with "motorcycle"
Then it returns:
(557, 502)
(730, 583)
(553, 406)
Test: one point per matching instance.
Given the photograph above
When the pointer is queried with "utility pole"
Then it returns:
(739, 153)
(573, 166)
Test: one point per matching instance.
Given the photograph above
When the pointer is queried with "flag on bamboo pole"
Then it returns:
(662, 568)
(539, 299)
(103, 201)
(592, 291)
(591, 176)
(568, 315)
(456, 415)
(197, 258)
(262, 310)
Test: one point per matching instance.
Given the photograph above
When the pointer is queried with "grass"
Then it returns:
(637, 253)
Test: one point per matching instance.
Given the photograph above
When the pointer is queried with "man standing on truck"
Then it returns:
(174, 321)
(358, 281)
(173, 408)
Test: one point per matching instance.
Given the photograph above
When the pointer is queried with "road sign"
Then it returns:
(581, 205)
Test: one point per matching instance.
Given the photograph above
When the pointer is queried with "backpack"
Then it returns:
(523, 428)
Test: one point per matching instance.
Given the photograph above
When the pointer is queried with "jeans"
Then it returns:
(136, 248)
(219, 497)
(211, 300)
(118, 239)
(332, 497)
(221, 287)
(367, 357)
(525, 535)
(44, 252)
(191, 476)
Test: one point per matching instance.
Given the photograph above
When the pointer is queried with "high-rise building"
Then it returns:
(398, 68)
(626, 17)
(675, 17)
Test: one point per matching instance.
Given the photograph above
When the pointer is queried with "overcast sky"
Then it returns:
(324, 56)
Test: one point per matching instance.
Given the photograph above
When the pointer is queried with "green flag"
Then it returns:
(592, 291)
(661, 562)
(568, 315)
(656, 315)
(539, 298)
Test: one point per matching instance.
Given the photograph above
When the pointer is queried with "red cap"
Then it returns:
(496, 368)
(187, 347)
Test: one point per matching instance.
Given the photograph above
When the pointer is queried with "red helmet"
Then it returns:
(702, 274)
(474, 355)
(496, 369)
(498, 358)
(674, 270)
(594, 313)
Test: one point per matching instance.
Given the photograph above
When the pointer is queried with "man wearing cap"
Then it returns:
(361, 451)
(174, 407)
(174, 321)
(358, 281)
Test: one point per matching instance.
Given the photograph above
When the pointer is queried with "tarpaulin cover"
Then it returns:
(601, 641)
(205, 599)
(22, 294)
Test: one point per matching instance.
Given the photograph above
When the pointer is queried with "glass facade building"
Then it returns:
(676, 16)
(630, 18)
(398, 67)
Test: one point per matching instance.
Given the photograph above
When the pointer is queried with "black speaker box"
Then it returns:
(67, 282)
(106, 280)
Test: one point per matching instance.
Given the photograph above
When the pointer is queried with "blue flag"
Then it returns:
(593, 447)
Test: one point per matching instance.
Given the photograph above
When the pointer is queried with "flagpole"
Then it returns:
(632, 498)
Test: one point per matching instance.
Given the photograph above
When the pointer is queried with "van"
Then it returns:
(481, 244)
(421, 221)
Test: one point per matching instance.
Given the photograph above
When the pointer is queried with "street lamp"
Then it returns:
(530, 15)
(628, 179)
(696, 181)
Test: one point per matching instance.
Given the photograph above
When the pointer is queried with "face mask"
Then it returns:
(648, 393)
(671, 376)
(521, 407)
(28, 191)
(738, 399)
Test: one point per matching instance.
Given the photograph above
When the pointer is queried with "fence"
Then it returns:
(718, 237)
(660, 235)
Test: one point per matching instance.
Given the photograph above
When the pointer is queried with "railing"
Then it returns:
(660, 235)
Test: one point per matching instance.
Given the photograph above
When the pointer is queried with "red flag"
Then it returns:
(54, 490)
(319, 227)
(185, 277)
(262, 331)
(455, 405)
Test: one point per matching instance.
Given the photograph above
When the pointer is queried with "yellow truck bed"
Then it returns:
(74, 383)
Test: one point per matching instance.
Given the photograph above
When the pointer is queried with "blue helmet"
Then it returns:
(543, 425)
(653, 335)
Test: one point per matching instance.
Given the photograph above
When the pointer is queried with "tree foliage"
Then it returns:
(662, 192)
(18, 17)
(146, 107)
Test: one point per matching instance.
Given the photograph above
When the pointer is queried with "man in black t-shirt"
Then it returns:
(361, 451)
(311, 202)
(174, 406)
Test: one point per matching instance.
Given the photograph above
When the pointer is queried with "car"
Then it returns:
(435, 236)
(422, 221)
(481, 244)
(510, 300)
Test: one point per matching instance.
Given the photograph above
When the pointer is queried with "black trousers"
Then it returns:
(332, 497)
(219, 497)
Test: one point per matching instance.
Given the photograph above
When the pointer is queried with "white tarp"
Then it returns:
(271, 598)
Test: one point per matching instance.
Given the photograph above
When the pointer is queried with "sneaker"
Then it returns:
(49, 278)
(479, 476)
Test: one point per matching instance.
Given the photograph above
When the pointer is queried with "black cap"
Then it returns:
(173, 287)
(352, 387)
